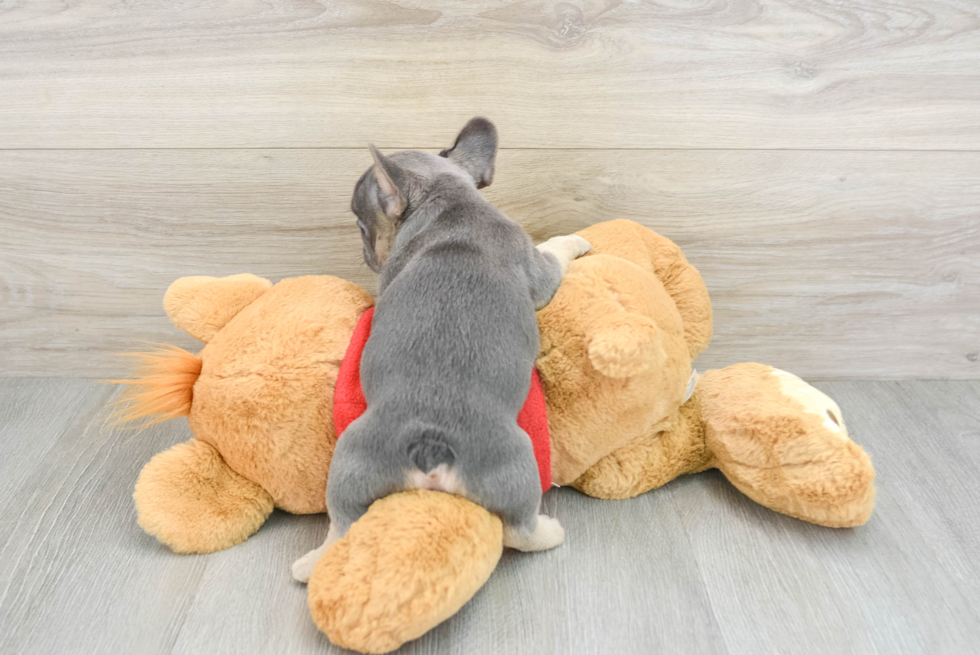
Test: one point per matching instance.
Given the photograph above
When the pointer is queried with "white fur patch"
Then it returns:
(548, 533)
(441, 478)
(565, 249)
(814, 402)
(303, 567)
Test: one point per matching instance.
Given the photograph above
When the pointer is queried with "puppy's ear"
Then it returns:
(475, 150)
(391, 195)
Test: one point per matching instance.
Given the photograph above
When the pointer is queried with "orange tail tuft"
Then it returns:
(162, 387)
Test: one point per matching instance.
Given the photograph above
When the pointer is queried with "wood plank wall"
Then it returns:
(818, 162)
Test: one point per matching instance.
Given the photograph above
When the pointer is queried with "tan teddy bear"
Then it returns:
(625, 415)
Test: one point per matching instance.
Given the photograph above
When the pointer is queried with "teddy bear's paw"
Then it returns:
(547, 534)
(784, 444)
(191, 500)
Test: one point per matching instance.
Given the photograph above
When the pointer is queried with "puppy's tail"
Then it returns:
(428, 447)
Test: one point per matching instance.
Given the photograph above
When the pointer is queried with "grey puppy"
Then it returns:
(453, 342)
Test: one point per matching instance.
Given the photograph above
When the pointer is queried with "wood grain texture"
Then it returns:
(43, 409)
(829, 264)
(880, 74)
(917, 540)
(76, 572)
(694, 567)
(253, 585)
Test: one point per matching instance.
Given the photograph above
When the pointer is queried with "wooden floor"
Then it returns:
(693, 567)
(818, 161)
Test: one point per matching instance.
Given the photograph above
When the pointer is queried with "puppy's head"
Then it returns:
(387, 193)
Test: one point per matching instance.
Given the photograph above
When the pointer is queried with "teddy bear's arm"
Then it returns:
(202, 305)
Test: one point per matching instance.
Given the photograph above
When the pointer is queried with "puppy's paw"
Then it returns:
(567, 246)
(565, 249)
(548, 533)
(579, 245)
(303, 567)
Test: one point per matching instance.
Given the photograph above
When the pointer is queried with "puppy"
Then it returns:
(453, 342)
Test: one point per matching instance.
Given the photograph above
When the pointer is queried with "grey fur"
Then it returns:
(449, 361)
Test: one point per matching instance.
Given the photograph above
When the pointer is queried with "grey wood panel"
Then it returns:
(622, 582)
(904, 583)
(33, 414)
(740, 74)
(579, 596)
(829, 264)
(76, 572)
(694, 567)
(247, 601)
(934, 448)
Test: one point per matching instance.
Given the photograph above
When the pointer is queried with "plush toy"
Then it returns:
(625, 414)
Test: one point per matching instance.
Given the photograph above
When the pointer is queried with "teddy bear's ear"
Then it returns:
(624, 345)
(201, 305)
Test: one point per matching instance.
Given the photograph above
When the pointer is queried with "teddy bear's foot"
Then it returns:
(784, 444)
(404, 567)
(189, 499)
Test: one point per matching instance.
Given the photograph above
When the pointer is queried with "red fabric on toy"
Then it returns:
(349, 402)
(348, 397)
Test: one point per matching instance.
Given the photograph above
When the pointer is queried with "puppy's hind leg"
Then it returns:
(547, 533)
(303, 567)
(358, 477)
(511, 488)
